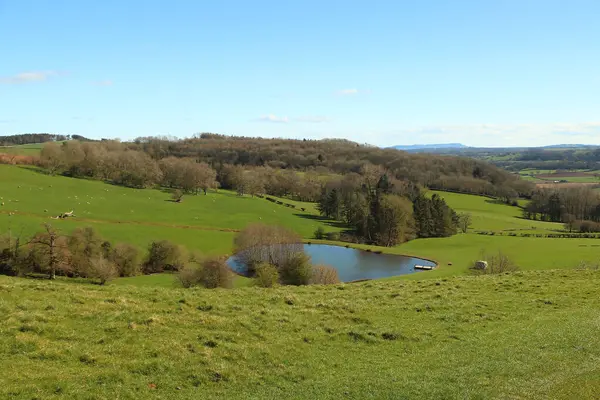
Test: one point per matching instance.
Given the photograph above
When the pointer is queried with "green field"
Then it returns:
(492, 215)
(138, 216)
(208, 223)
(525, 335)
(25, 149)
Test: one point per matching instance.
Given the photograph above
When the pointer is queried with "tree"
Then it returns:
(52, 157)
(126, 258)
(568, 220)
(464, 221)
(272, 244)
(84, 245)
(163, 256)
(52, 250)
(254, 183)
(393, 221)
(102, 269)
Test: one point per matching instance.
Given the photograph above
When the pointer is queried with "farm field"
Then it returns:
(208, 223)
(25, 149)
(205, 223)
(544, 177)
(509, 336)
(493, 215)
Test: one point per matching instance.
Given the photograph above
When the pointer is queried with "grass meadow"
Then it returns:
(209, 223)
(442, 334)
(525, 335)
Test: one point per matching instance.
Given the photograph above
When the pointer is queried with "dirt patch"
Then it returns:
(566, 184)
(565, 175)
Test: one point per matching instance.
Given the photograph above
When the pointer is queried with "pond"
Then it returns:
(353, 264)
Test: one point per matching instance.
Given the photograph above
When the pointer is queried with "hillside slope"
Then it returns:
(527, 335)
(138, 216)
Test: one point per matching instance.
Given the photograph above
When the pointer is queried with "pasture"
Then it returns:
(24, 150)
(209, 223)
(138, 216)
(524, 335)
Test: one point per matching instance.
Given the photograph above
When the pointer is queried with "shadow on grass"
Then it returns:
(324, 220)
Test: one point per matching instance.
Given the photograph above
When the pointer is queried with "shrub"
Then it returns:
(324, 275)
(320, 233)
(266, 275)
(498, 263)
(215, 273)
(333, 236)
(190, 275)
(84, 245)
(297, 270)
(210, 273)
(102, 269)
(126, 258)
(163, 256)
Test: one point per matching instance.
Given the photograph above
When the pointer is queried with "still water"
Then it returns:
(353, 264)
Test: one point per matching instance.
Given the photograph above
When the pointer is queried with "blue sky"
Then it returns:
(484, 73)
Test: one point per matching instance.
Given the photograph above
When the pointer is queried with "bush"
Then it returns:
(498, 263)
(333, 236)
(127, 259)
(210, 273)
(324, 275)
(266, 275)
(297, 270)
(163, 256)
(102, 269)
(320, 233)
(215, 273)
(190, 275)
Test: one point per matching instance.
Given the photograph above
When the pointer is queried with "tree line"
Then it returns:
(341, 157)
(272, 165)
(384, 211)
(577, 207)
(30, 138)
(85, 254)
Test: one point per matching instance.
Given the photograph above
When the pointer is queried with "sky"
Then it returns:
(482, 73)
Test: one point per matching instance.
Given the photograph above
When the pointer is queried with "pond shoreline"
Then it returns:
(354, 264)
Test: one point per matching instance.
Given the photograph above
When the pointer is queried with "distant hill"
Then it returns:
(413, 147)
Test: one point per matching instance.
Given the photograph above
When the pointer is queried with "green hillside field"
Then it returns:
(520, 336)
(208, 223)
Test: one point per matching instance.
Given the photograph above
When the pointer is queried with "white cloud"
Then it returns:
(314, 119)
(106, 82)
(348, 92)
(274, 118)
(31, 76)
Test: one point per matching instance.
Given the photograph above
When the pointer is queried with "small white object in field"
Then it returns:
(481, 264)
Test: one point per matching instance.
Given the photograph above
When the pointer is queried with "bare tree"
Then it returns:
(54, 248)
(52, 157)
(271, 244)
(464, 222)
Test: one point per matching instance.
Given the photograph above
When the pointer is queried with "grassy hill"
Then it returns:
(25, 149)
(138, 216)
(208, 223)
(525, 335)
(493, 215)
